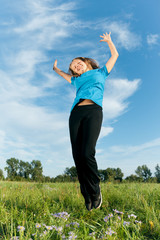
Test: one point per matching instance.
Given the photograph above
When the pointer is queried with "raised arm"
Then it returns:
(114, 54)
(61, 73)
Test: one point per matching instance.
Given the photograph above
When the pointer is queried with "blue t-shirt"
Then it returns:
(90, 85)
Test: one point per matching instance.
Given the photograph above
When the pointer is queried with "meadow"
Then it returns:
(33, 211)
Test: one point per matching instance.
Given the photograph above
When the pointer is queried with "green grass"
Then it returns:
(28, 204)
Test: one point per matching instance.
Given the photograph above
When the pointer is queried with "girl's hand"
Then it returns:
(106, 37)
(55, 65)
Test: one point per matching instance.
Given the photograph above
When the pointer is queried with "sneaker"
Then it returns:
(98, 202)
(88, 205)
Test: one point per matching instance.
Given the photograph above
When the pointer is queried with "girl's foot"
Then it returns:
(88, 205)
(98, 202)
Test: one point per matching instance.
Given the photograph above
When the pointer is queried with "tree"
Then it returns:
(72, 173)
(62, 178)
(1, 174)
(134, 178)
(157, 173)
(24, 169)
(119, 175)
(12, 169)
(47, 179)
(36, 170)
(143, 172)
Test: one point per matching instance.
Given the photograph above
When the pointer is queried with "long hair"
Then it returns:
(91, 64)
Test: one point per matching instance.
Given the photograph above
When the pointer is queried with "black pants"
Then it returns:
(85, 124)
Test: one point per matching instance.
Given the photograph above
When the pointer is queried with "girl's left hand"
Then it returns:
(106, 37)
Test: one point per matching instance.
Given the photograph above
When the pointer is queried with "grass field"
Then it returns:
(56, 211)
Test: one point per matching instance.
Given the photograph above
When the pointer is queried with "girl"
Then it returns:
(86, 118)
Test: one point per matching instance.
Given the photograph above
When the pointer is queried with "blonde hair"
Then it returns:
(91, 64)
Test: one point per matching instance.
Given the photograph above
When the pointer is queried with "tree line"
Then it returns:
(18, 170)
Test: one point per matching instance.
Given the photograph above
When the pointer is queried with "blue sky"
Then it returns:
(35, 103)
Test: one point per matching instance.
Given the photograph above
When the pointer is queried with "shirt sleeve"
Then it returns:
(104, 71)
(73, 81)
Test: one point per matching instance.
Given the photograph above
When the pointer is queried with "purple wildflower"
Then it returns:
(110, 232)
(110, 215)
(116, 211)
(75, 224)
(138, 221)
(126, 223)
(106, 218)
(21, 228)
(92, 234)
(59, 229)
(38, 225)
(132, 215)
(49, 227)
(72, 235)
(63, 215)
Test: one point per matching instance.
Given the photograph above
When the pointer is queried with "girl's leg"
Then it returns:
(75, 128)
(90, 131)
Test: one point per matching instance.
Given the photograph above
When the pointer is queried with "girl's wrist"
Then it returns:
(54, 68)
(109, 41)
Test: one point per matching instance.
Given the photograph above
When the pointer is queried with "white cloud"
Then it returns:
(105, 131)
(152, 39)
(133, 149)
(128, 157)
(120, 32)
(116, 93)
(125, 38)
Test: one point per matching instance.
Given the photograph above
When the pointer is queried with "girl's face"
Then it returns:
(78, 66)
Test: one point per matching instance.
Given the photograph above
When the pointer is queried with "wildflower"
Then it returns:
(44, 233)
(119, 217)
(106, 218)
(59, 229)
(21, 228)
(38, 225)
(49, 227)
(75, 223)
(116, 211)
(72, 235)
(126, 223)
(63, 215)
(53, 226)
(110, 215)
(92, 234)
(14, 238)
(110, 232)
(132, 215)
(121, 213)
(138, 221)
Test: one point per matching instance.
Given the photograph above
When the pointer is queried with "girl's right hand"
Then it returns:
(55, 65)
